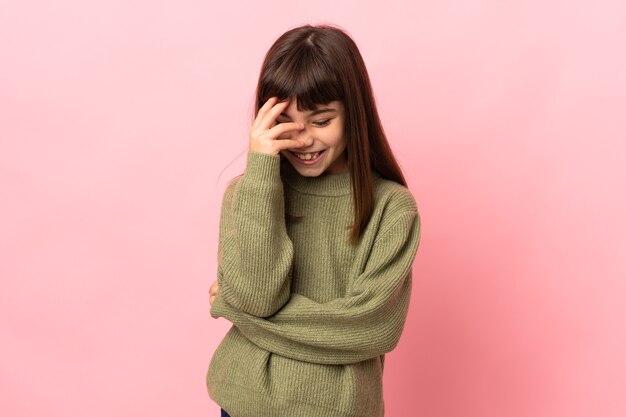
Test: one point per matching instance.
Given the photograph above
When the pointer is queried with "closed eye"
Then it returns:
(320, 123)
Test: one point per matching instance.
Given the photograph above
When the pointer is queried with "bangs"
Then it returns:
(303, 75)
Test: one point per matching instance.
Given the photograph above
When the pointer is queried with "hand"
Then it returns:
(213, 292)
(263, 137)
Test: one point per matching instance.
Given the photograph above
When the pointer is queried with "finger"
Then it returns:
(281, 128)
(270, 117)
(289, 144)
(264, 108)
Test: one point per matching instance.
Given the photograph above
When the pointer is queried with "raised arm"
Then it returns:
(255, 254)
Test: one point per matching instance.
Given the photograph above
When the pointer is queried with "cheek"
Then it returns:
(334, 136)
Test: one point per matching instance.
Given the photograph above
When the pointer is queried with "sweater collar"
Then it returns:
(324, 184)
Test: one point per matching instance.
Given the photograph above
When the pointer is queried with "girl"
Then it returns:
(317, 239)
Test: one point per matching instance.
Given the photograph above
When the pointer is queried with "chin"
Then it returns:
(306, 172)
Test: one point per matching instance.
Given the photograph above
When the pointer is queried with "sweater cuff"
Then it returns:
(263, 167)
(215, 310)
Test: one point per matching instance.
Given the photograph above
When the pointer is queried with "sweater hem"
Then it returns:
(246, 403)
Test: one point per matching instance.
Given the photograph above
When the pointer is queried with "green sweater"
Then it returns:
(312, 315)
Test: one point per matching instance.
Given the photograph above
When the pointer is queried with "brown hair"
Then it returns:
(317, 65)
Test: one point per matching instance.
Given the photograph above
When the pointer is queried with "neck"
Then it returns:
(323, 184)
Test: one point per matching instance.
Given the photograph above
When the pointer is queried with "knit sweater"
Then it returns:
(313, 316)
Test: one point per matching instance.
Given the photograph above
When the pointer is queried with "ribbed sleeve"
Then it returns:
(255, 254)
(365, 323)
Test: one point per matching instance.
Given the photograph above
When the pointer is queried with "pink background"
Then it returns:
(119, 121)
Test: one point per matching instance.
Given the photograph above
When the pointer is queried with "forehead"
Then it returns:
(333, 107)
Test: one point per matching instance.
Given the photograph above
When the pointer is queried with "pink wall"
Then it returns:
(117, 118)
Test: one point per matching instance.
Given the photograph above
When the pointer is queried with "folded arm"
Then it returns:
(367, 322)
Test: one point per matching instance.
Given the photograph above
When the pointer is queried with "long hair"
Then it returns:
(319, 64)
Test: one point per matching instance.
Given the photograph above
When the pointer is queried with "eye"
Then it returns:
(322, 122)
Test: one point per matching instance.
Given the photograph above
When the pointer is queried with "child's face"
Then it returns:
(322, 132)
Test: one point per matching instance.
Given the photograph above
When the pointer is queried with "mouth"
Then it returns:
(312, 161)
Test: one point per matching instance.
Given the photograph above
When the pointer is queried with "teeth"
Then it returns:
(307, 156)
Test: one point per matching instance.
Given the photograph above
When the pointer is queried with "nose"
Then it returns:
(302, 135)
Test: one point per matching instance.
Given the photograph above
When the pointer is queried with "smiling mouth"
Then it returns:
(308, 161)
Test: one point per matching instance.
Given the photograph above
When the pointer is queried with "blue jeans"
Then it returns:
(224, 413)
